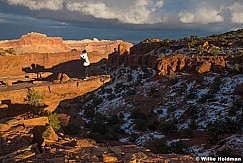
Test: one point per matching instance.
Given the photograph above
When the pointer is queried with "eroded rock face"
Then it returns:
(200, 65)
(137, 56)
(36, 42)
(204, 67)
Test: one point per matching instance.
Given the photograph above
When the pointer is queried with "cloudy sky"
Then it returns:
(130, 20)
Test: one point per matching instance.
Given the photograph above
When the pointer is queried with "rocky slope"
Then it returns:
(164, 96)
(187, 103)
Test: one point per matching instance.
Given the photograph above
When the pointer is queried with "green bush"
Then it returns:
(237, 68)
(113, 120)
(160, 147)
(10, 51)
(167, 127)
(53, 120)
(71, 129)
(219, 127)
(179, 148)
(34, 98)
(172, 78)
(191, 112)
(46, 133)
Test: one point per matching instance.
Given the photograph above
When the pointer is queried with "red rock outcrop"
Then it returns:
(40, 43)
(143, 54)
(53, 93)
(200, 65)
(36, 42)
(138, 55)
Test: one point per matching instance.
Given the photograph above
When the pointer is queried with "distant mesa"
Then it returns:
(34, 42)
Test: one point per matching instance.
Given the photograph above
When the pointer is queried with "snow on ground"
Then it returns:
(215, 106)
(128, 125)
(124, 140)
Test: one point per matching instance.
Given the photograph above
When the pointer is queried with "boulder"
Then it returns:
(41, 121)
(4, 127)
(204, 67)
(50, 134)
(64, 119)
(86, 143)
(65, 78)
(109, 158)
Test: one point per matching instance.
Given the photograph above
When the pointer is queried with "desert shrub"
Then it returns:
(10, 51)
(34, 98)
(71, 129)
(95, 136)
(53, 120)
(205, 97)
(161, 147)
(191, 95)
(236, 107)
(111, 96)
(218, 127)
(97, 101)
(133, 137)
(236, 68)
(113, 120)
(108, 90)
(99, 127)
(179, 148)
(188, 132)
(146, 73)
(191, 112)
(117, 129)
(119, 87)
(167, 127)
(172, 78)
(121, 115)
(161, 55)
(153, 125)
(111, 136)
(46, 133)
(140, 124)
(129, 77)
(153, 92)
(192, 124)
(89, 113)
(215, 86)
(131, 91)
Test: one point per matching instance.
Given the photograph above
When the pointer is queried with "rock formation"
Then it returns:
(36, 43)
(145, 54)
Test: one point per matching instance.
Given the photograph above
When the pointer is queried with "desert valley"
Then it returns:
(156, 101)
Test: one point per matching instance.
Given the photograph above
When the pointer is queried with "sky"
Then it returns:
(128, 20)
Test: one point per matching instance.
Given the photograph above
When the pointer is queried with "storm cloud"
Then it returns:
(145, 11)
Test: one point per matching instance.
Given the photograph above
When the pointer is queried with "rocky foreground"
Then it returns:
(22, 141)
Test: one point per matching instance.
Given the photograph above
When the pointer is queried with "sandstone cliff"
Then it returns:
(40, 43)
(36, 42)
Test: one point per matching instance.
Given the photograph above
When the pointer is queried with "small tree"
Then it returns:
(53, 120)
(237, 68)
(35, 99)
